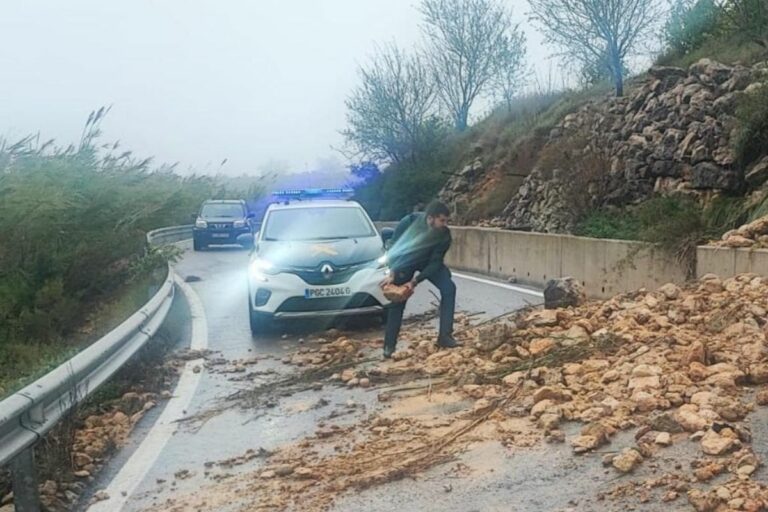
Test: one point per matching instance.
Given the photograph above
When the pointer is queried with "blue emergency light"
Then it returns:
(312, 192)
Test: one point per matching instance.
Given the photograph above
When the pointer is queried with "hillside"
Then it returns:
(675, 133)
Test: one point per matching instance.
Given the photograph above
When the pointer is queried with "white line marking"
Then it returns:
(140, 462)
(500, 285)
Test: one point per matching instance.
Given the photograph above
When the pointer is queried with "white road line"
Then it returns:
(138, 465)
(500, 285)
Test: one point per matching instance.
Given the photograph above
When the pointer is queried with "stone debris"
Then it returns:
(753, 235)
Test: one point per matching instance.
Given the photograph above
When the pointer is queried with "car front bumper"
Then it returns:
(220, 236)
(286, 296)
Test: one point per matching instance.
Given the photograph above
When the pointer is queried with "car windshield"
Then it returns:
(222, 210)
(323, 223)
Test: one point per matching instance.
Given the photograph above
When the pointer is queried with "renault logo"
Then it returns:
(327, 270)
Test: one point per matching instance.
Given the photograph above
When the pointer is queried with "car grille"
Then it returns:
(300, 304)
(220, 225)
(315, 277)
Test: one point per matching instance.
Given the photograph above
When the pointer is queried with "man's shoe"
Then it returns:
(388, 353)
(448, 342)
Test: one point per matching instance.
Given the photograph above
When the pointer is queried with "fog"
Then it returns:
(260, 83)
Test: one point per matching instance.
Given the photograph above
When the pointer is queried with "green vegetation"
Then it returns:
(73, 222)
(751, 139)
(677, 224)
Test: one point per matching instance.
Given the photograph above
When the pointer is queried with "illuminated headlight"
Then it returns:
(200, 223)
(382, 261)
(239, 224)
(260, 268)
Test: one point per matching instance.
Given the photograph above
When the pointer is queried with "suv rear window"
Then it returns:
(222, 210)
(317, 223)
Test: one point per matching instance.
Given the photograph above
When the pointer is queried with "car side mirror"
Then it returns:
(250, 215)
(193, 217)
(387, 234)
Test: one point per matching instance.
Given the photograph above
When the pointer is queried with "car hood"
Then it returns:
(310, 254)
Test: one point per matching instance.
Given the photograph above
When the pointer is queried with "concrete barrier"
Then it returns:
(727, 262)
(604, 267)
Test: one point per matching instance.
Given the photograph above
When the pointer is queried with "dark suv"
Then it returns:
(221, 222)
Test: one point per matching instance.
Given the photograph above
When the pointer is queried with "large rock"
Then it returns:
(708, 175)
(627, 460)
(758, 174)
(563, 292)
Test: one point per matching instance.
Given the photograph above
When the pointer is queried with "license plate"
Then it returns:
(220, 235)
(331, 291)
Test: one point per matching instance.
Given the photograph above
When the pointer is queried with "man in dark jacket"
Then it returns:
(419, 245)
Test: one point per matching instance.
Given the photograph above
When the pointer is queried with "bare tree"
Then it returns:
(470, 44)
(391, 112)
(588, 30)
(512, 74)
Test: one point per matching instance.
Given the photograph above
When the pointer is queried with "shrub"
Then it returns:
(751, 141)
(690, 24)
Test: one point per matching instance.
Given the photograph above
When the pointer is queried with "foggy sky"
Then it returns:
(198, 81)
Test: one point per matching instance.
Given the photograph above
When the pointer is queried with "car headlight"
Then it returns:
(239, 224)
(260, 268)
(200, 223)
(382, 262)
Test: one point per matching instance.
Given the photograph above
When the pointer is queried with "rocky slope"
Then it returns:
(671, 133)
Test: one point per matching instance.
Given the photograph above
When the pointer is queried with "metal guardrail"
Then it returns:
(27, 415)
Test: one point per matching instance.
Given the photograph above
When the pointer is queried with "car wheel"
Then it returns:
(260, 322)
(197, 244)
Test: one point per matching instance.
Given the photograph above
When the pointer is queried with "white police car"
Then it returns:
(315, 255)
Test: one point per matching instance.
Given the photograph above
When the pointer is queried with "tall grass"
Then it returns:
(72, 225)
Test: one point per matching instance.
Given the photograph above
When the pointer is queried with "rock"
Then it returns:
(266, 475)
(702, 501)
(707, 175)
(283, 470)
(550, 393)
(563, 292)
(365, 383)
(353, 382)
(49, 488)
(690, 421)
(762, 397)
(545, 318)
(696, 353)
(627, 460)
(348, 374)
(663, 439)
(493, 335)
(664, 422)
(670, 291)
(82, 474)
(513, 379)
(541, 346)
(305, 473)
(101, 496)
(81, 459)
(481, 406)
(758, 173)
(714, 444)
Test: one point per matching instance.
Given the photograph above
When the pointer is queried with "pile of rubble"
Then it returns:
(672, 363)
(752, 235)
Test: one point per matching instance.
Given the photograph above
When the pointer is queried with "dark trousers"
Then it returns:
(442, 280)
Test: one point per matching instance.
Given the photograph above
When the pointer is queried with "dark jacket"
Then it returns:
(416, 246)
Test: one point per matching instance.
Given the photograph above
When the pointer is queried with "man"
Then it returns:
(419, 245)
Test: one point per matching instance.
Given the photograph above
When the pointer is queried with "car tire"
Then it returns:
(197, 245)
(260, 322)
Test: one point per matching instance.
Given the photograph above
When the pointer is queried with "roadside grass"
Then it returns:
(23, 362)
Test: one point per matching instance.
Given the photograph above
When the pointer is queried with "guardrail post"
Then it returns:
(26, 496)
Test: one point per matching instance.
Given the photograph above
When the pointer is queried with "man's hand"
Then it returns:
(387, 280)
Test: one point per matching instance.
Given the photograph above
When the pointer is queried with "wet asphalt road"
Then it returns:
(218, 276)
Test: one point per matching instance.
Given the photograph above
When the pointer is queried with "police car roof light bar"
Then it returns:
(312, 192)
